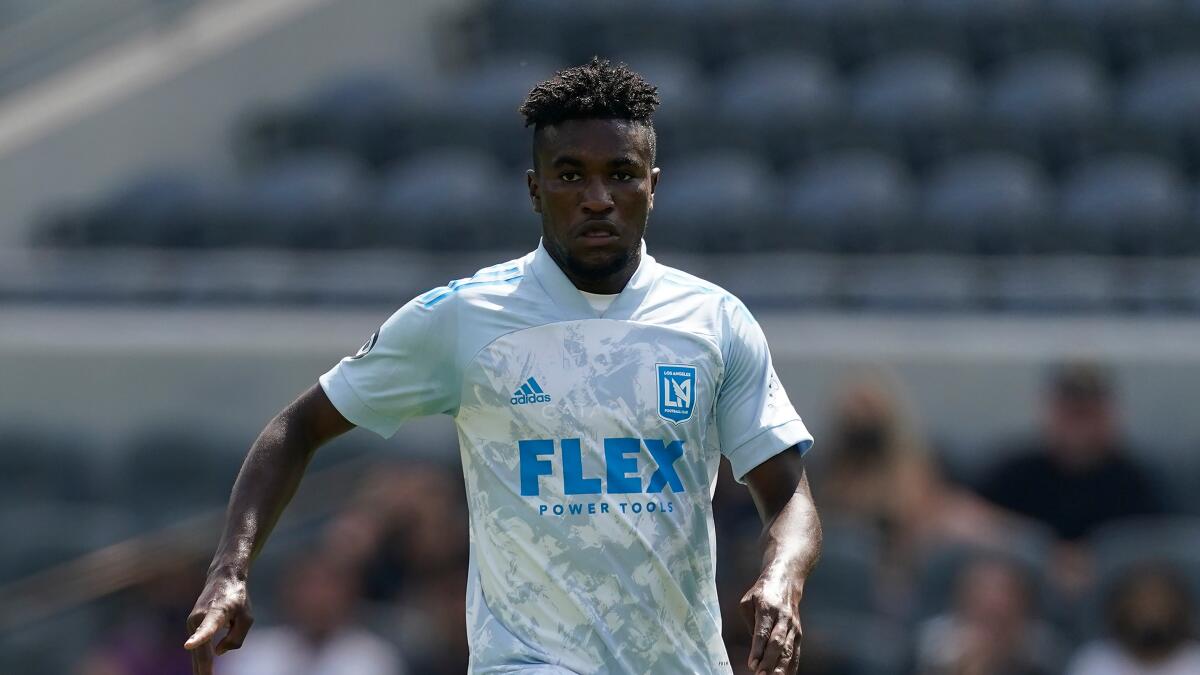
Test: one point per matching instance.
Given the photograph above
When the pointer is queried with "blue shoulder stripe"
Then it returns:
(441, 293)
(691, 282)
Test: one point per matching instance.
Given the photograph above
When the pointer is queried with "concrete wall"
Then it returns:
(108, 373)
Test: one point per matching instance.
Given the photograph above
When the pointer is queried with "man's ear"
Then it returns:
(653, 184)
(531, 182)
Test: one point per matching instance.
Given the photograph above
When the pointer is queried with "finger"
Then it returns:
(212, 622)
(797, 643)
(789, 657)
(202, 660)
(746, 608)
(774, 649)
(236, 635)
(764, 621)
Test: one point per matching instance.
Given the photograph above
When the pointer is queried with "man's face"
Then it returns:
(1081, 431)
(593, 184)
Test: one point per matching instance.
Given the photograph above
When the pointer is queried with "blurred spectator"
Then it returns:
(433, 624)
(993, 628)
(878, 470)
(1151, 629)
(405, 522)
(407, 532)
(1078, 474)
(147, 640)
(319, 597)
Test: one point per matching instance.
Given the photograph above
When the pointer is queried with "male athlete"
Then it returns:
(595, 392)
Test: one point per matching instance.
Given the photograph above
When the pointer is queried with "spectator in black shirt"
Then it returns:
(1078, 474)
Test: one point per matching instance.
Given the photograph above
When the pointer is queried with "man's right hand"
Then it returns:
(224, 602)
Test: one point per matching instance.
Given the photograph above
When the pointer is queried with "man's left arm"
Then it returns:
(791, 545)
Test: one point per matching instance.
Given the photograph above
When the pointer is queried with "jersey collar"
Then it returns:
(571, 301)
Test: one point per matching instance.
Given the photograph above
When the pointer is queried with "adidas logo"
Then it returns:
(529, 392)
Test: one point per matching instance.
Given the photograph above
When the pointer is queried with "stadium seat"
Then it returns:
(1160, 100)
(1120, 544)
(53, 645)
(736, 31)
(920, 101)
(853, 642)
(1125, 204)
(846, 579)
(850, 202)
(478, 108)
(990, 203)
(308, 202)
(1188, 240)
(940, 567)
(445, 199)
(170, 472)
(1051, 104)
(1124, 544)
(860, 31)
(777, 104)
(162, 207)
(366, 116)
(993, 30)
(1126, 31)
(1176, 468)
(568, 32)
(55, 532)
(712, 202)
(44, 464)
(682, 91)
(678, 26)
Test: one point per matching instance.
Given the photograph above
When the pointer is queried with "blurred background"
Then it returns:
(969, 228)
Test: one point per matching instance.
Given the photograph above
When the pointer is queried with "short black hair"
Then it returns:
(597, 89)
(1081, 381)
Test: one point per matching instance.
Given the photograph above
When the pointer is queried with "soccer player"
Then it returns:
(594, 391)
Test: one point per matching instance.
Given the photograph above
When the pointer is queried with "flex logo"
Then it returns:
(622, 460)
(676, 391)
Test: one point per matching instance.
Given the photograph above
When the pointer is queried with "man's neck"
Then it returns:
(608, 285)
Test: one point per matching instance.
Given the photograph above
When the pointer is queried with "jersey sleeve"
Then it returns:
(407, 369)
(755, 419)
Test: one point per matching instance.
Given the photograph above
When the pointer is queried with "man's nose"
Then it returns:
(597, 200)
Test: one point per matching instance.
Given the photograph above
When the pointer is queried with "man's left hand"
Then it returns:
(771, 609)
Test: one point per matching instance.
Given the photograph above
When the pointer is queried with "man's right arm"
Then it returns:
(264, 486)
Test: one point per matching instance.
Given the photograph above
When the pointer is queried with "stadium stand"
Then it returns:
(781, 105)
(1122, 204)
(915, 102)
(1029, 156)
(1010, 76)
(1051, 105)
(150, 482)
(849, 202)
(990, 203)
(710, 191)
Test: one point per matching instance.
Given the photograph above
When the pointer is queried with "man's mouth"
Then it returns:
(598, 230)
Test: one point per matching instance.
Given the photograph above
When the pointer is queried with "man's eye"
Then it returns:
(569, 176)
(623, 176)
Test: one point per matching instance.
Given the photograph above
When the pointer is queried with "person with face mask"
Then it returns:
(881, 474)
(1151, 629)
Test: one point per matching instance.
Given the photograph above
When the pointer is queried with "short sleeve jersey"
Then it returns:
(590, 443)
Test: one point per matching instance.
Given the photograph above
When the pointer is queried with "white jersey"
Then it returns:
(590, 443)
